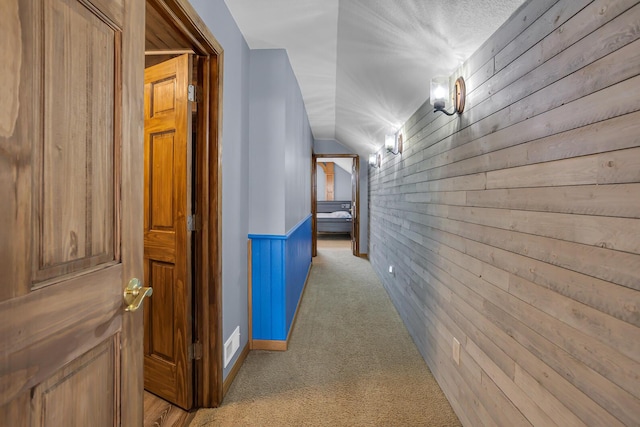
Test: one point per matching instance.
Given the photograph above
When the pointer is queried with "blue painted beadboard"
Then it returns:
(279, 267)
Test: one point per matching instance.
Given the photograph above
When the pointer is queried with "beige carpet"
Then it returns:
(350, 362)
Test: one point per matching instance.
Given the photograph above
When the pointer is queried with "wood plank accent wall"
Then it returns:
(515, 227)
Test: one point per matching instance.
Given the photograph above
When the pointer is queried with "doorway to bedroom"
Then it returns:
(335, 198)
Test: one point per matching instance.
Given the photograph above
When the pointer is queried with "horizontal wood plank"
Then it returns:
(617, 167)
(269, 345)
(515, 227)
(606, 200)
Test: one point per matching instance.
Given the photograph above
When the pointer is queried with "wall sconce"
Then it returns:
(374, 160)
(393, 143)
(440, 91)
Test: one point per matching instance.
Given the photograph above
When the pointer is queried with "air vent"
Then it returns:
(231, 346)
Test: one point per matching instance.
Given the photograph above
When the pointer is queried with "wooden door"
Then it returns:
(70, 212)
(314, 204)
(167, 242)
(355, 217)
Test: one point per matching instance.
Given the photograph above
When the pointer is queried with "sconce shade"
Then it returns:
(374, 160)
(393, 143)
(390, 142)
(440, 90)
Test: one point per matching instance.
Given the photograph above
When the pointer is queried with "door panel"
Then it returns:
(92, 373)
(76, 203)
(161, 343)
(67, 349)
(161, 157)
(167, 243)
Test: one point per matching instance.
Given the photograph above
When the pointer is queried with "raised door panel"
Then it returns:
(161, 194)
(76, 170)
(161, 343)
(56, 402)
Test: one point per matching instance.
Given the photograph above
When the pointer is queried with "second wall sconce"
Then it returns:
(440, 91)
(374, 160)
(393, 143)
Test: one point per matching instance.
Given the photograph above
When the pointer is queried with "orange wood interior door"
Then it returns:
(167, 242)
(70, 214)
(354, 207)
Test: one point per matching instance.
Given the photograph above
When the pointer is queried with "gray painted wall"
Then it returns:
(331, 146)
(265, 132)
(513, 228)
(297, 155)
(342, 184)
(280, 140)
(235, 164)
(267, 141)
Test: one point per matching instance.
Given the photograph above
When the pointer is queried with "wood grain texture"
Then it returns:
(179, 19)
(17, 413)
(159, 35)
(75, 167)
(513, 227)
(314, 206)
(19, 141)
(329, 173)
(131, 117)
(270, 345)
(168, 199)
(91, 373)
(355, 211)
(160, 413)
(66, 154)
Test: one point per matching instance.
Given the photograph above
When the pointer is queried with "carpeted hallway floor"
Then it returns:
(350, 361)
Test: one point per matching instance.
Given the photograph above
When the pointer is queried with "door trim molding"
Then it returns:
(184, 19)
(314, 200)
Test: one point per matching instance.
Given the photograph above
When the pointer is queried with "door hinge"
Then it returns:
(195, 351)
(191, 95)
(192, 223)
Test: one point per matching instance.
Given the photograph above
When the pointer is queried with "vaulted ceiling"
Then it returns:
(364, 66)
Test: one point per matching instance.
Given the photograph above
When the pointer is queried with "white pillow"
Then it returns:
(341, 214)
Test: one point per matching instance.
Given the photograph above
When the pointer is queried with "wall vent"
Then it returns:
(231, 346)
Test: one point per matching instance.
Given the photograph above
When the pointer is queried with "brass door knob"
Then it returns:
(134, 293)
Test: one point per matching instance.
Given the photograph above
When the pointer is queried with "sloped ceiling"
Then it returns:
(364, 66)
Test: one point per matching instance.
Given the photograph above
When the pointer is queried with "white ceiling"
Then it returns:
(364, 66)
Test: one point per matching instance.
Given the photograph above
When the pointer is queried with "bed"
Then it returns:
(334, 216)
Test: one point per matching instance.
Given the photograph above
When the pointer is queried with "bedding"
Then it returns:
(334, 216)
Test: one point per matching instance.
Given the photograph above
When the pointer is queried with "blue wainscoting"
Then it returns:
(279, 269)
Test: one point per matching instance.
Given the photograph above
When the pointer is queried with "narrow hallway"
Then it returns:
(350, 361)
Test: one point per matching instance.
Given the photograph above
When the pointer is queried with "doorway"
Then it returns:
(186, 309)
(336, 198)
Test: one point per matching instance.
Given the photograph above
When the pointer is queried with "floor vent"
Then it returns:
(231, 346)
